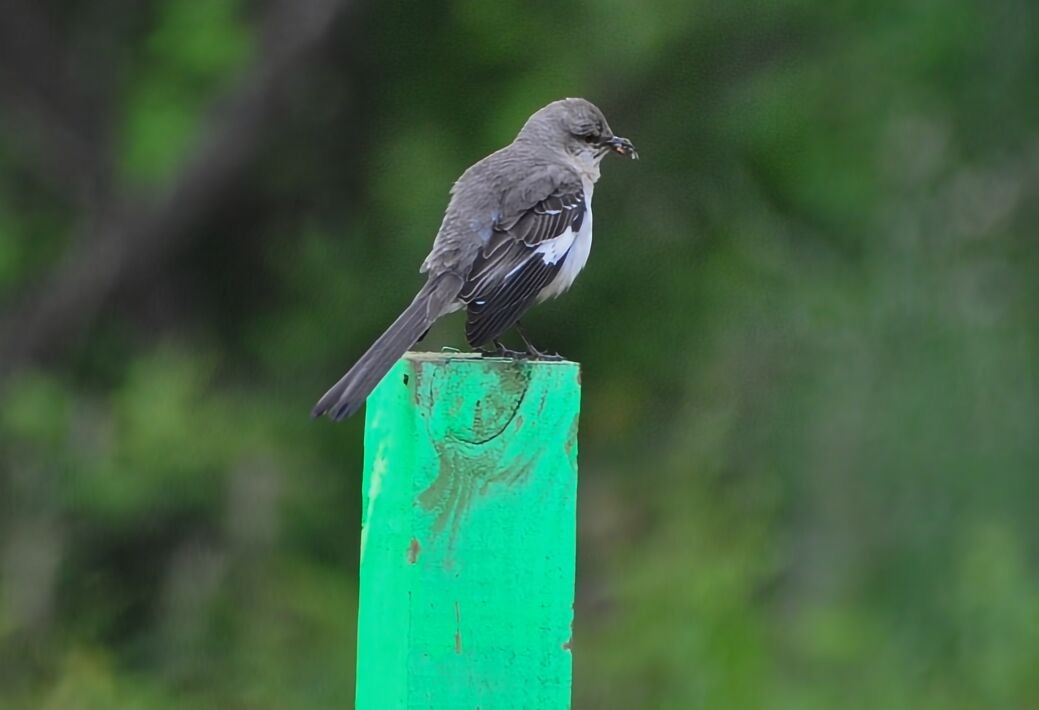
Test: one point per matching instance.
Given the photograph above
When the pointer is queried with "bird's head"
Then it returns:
(578, 127)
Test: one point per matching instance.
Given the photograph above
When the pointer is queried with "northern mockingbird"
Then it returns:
(518, 230)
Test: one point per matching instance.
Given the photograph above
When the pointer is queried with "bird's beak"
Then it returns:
(622, 146)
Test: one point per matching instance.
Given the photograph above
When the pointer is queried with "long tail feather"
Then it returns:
(348, 394)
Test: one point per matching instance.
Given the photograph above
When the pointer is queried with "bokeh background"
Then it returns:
(809, 458)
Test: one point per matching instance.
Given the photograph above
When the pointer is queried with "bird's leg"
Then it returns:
(532, 351)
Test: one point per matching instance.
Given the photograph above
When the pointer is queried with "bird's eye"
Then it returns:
(590, 138)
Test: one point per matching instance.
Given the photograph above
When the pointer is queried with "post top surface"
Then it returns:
(446, 357)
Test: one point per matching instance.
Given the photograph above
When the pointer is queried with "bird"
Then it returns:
(517, 230)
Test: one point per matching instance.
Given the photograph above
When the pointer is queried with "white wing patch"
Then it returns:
(552, 250)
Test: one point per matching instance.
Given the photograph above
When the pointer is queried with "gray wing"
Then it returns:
(521, 257)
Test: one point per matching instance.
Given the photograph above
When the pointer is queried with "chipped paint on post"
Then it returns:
(469, 514)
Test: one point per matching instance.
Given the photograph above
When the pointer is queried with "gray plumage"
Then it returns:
(517, 230)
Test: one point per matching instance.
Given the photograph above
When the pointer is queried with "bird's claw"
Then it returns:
(551, 357)
(532, 351)
(536, 354)
(502, 351)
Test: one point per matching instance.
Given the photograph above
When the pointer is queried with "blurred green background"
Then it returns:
(808, 330)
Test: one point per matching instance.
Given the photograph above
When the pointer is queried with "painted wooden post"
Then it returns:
(469, 536)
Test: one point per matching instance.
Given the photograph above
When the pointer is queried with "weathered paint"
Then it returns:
(468, 544)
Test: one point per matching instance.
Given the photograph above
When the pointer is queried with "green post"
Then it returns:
(469, 536)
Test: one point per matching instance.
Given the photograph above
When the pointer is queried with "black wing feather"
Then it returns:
(490, 318)
(508, 274)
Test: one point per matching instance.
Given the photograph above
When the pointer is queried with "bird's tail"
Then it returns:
(346, 396)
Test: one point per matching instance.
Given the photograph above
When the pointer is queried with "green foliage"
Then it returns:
(193, 50)
(807, 332)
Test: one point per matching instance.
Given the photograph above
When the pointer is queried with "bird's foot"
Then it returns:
(533, 352)
(502, 351)
(536, 354)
